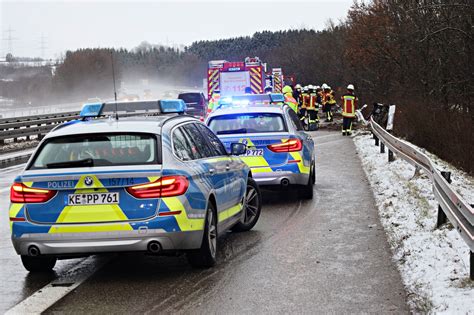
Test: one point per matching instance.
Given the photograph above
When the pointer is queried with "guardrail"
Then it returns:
(14, 160)
(451, 206)
(36, 125)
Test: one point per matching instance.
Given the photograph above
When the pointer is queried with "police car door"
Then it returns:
(216, 167)
(236, 185)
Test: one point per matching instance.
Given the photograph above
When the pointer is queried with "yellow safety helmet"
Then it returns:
(287, 89)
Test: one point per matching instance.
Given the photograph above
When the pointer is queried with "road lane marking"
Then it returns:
(51, 293)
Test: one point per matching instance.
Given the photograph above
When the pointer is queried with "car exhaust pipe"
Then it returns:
(33, 251)
(154, 247)
(285, 182)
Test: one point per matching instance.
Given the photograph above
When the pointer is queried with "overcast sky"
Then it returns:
(68, 25)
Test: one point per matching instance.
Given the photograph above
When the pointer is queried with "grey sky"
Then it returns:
(78, 24)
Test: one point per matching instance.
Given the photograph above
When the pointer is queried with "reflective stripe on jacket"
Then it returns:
(312, 101)
(213, 102)
(349, 103)
(289, 99)
(305, 101)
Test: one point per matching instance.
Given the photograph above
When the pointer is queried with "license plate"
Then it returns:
(256, 152)
(93, 199)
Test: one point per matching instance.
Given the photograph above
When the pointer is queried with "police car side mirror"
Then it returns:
(237, 148)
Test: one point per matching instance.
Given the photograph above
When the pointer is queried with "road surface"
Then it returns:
(328, 255)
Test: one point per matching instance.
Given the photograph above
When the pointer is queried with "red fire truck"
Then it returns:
(232, 78)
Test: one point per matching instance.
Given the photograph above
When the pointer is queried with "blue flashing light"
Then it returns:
(241, 103)
(277, 97)
(172, 106)
(225, 100)
(91, 110)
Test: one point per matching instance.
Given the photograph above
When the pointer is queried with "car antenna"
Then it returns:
(113, 78)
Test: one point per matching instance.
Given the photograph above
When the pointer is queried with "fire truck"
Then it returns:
(232, 78)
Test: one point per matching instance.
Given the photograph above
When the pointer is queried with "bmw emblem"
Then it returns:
(88, 181)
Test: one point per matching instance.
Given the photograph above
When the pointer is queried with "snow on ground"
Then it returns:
(434, 263)
(17, 146)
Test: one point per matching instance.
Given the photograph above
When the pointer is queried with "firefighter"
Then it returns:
(268, 89)
(349, 106)
(289, 99)
(304, 101)
(312, 109)
(214, 101)
(297, 93)
(332, 99)
(328, 101)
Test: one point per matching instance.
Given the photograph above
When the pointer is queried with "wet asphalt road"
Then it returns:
(328, 255)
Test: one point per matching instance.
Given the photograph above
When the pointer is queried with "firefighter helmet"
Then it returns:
(298, 86)
(350, 87)
(325, 86)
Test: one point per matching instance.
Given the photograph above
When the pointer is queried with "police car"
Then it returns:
(153, 184)
(279, 152)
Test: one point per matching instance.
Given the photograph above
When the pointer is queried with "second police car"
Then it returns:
(279, 152)
(149, 184)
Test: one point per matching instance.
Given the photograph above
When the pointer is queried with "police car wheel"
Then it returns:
(38, 264)
(205, 257)
(252, 207)
(306, 192)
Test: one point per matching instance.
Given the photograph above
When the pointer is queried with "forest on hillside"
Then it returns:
(416, 54)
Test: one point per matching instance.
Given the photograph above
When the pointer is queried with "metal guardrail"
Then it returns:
(459, 212)
(14, 160)
(25, 126)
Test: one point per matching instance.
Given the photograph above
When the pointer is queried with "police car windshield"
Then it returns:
(96, 150)
(247, 123)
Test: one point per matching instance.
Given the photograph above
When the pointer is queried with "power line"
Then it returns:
(10, 39)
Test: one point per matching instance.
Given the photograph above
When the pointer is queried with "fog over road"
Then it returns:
(329, 254)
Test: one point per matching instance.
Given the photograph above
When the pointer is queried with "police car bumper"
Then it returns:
(284, 178)
(107, 242)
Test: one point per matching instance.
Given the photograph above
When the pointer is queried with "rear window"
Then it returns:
(247, 123)
(97, 150)
(190, 97)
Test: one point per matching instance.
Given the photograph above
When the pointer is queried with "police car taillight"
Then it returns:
(291, 145)
(167, 186)
(19, 193)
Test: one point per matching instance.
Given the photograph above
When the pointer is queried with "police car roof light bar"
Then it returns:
(172, 106)
(252, 99)
(133, 108)
(91, 110)
(277, 97)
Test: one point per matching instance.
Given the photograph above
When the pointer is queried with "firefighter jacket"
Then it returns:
(312, 104)
(330, 99)
(304, 100)
(349, 105)
(213, 102)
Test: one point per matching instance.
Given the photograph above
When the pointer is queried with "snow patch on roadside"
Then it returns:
(434, 263)
(18, 146)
